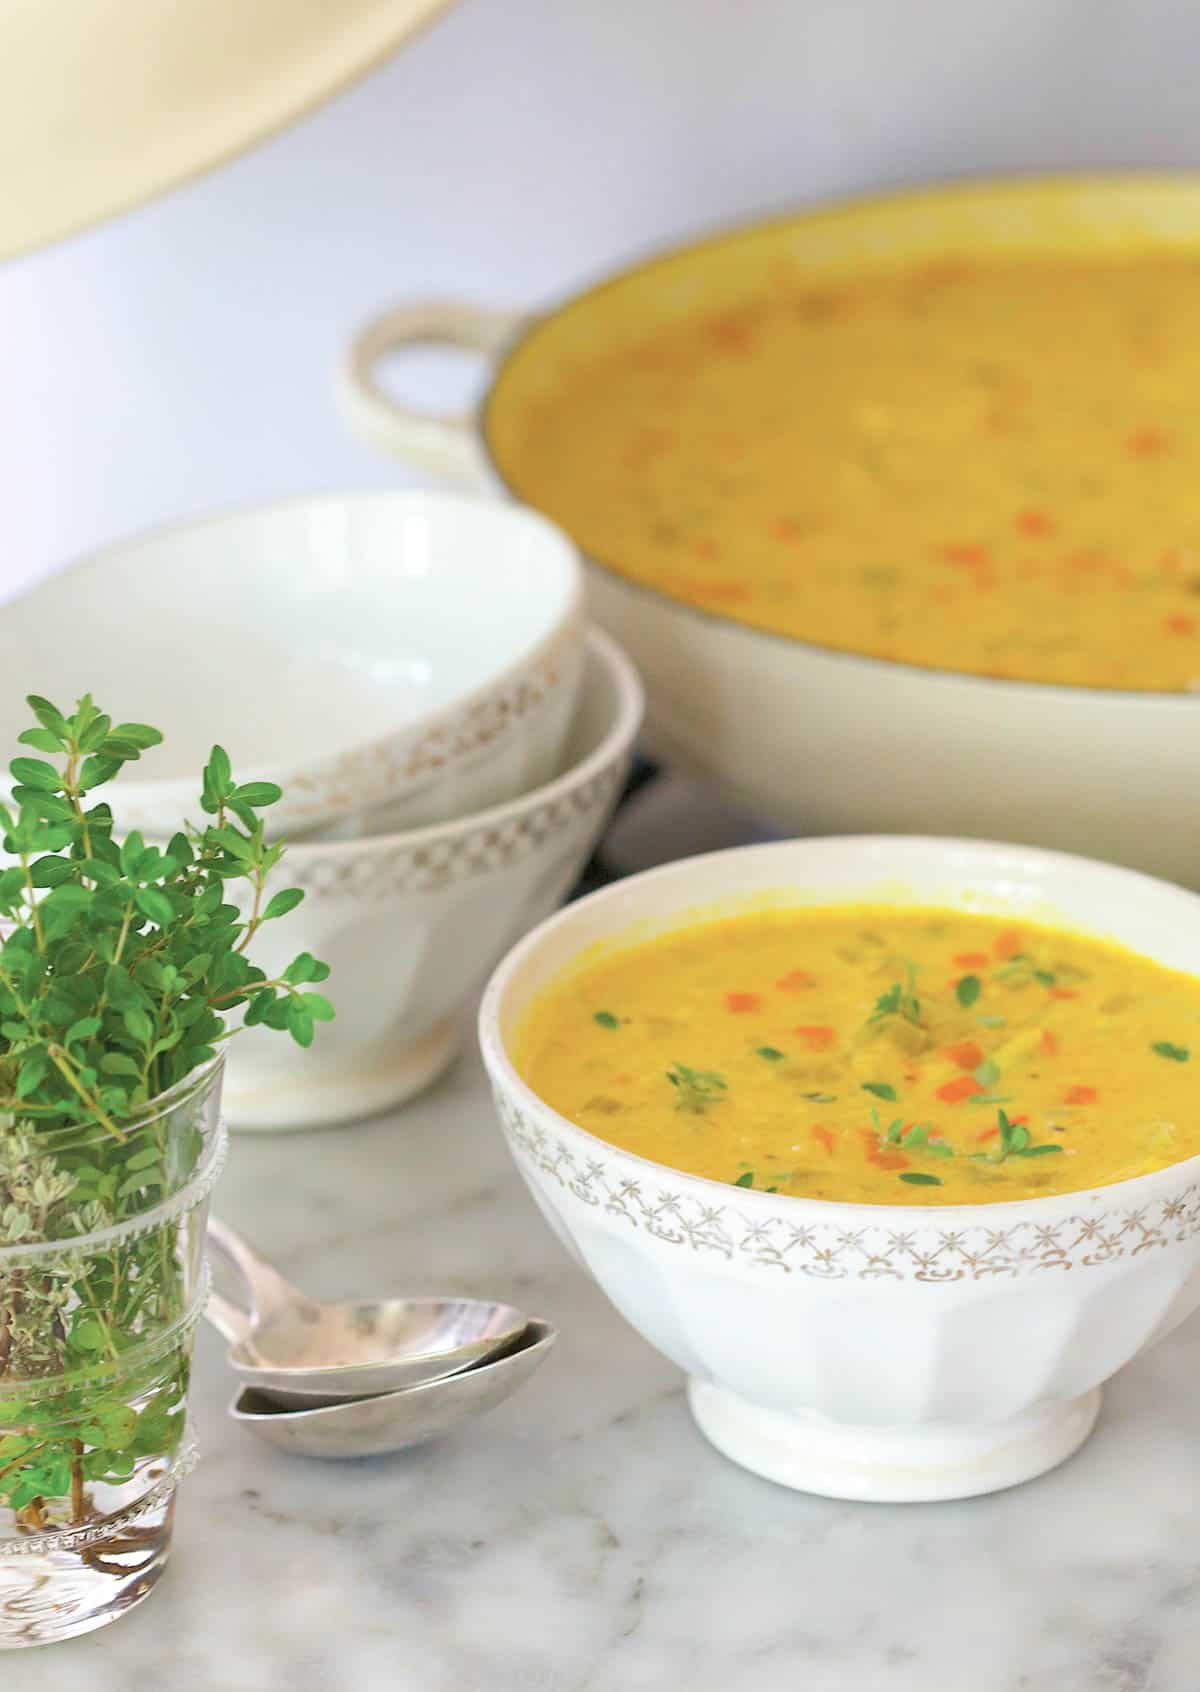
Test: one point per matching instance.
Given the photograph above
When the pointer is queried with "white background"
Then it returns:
(179, 359)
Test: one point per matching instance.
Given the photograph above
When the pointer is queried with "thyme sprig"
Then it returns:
(120, 966)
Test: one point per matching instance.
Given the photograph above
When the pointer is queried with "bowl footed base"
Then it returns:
(895, 1465)
(270, 1102)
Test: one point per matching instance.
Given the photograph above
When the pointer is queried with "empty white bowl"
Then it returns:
(412, 923)
(411, 650)
(867, 1351)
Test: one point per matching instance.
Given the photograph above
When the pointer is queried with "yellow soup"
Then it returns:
(987, 467)
(880, 1056)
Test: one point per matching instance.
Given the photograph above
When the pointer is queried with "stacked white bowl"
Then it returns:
(414, 670)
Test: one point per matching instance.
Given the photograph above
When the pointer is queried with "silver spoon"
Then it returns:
(368, 1427)
(290, 1346)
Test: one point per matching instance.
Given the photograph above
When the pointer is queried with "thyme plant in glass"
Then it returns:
(120, 965)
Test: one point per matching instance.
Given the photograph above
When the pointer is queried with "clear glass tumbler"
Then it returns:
(102, 1282)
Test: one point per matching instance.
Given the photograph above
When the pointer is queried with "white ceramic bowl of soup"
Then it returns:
(399, 657)
(410, 923)
(812, 739)
(884, 1352)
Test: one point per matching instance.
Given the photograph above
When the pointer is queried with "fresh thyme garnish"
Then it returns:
(900, 1000)
(1013, 1141)
(747, 1180)
(695, 1089)
(881, 1090)
(916, 1178)
(771, 1053)
(820, 1098)
(606, 1019)
(967, 991)
(988, 1073)
(1166, 1049)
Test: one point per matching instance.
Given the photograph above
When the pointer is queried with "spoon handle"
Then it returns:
(268, 1291)
(231, 1323)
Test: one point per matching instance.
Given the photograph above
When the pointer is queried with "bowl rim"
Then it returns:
(628, 711)
(165, 789)
(845, 1212)
(926, 192)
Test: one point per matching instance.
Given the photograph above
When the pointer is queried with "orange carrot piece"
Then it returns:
(1063, 993)
(819, 1036)
(1036, 523)
(967, 1054)
(1049, 1043)
(1147, 443)
(1081, 1095)
(823, 1136)
(962, 1087)
(972, 960)
(1006, 945)
(883, 1157)
(795, 981)
(1180, 623)
(964, 552)
(739, 1003)
(988, 1134)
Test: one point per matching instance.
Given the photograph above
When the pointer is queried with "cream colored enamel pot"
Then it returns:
(814, 740)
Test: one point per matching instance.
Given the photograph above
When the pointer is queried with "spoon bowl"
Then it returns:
(370, 1427)
(300, 1352)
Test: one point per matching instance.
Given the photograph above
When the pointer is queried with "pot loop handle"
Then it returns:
(450, 445)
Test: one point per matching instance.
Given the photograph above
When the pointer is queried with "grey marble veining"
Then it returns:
(584, 1538)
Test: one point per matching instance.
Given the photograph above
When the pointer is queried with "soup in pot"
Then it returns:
(981, 466)
(876, 1055)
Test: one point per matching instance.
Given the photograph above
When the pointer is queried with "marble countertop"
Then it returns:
(584, 1537)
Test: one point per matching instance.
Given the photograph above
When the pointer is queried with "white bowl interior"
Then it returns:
(601, 703)
(292, 632)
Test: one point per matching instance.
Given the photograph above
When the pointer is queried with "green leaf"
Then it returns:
(916, 1178)
(881, 1090)
(606, 1019)
(154, 904)
(771, 1053)
(234, 843)
(48, 715)
(87, 1335)
(279, 904)
(318, 1007)
(119, 1063)
(139, 1026)
(1166, 1049)
(141, 734)
(299, 1023)
(96, 771)
(300, 969)
(1036, 1151)
(146, 1158)
(218, 779)
(746, 1180)
(36, 773)
(988, 1073)
(259, 794)
(52, 872)
(96, 733)
(31, 1074)
(42, 738)
(968, 990)
(83, 1029)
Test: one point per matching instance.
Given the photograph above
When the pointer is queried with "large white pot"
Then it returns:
(867, 1351)
(811, 739)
